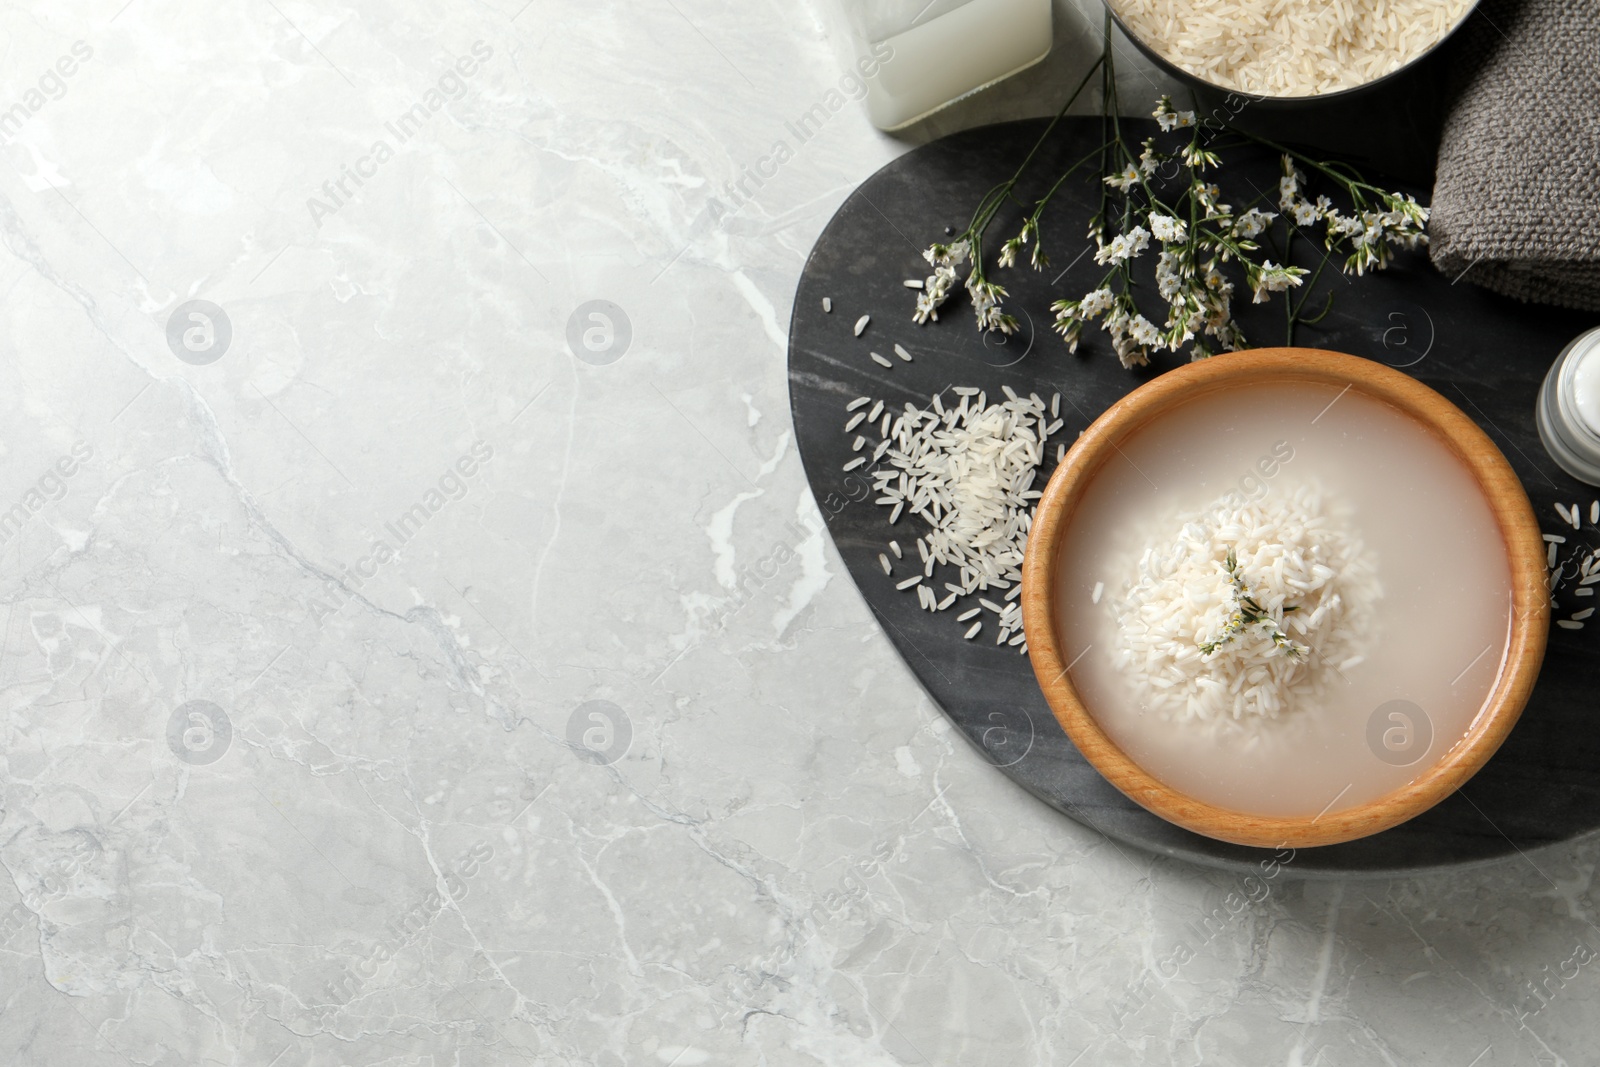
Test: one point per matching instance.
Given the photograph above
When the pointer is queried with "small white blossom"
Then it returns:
(1123, 247)
(1207, 193)
(1252, 223)
(1288, 192)
(1289, 185)
(1167, 229)
(1144, 332)
(1168, 119)
(1129, 352)
(986, 298)
(1096, 302)
(1124, 180)
(1195, 155)
(954, 255)
(1170, 276)
(1071, 331)
(936, 290)
(1343, 225)
(1271, 278)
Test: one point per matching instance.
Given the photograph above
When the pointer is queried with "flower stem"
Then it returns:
(996, 198)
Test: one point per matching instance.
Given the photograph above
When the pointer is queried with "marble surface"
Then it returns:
(387, 685)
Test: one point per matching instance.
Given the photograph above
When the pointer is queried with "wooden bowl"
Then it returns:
(1525, 551)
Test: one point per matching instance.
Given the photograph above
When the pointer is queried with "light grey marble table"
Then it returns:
(384, 685)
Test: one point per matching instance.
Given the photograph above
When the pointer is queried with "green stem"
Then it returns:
(1042, 201)
(1288, 301)
(996, 198)
(1353, 186)
(1311, 287)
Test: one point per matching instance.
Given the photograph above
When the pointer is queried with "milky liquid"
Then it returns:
(1443, 621)
(946, 54)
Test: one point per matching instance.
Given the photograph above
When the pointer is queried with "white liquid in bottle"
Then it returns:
(942, 52)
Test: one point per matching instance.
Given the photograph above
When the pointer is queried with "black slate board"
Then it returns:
(1486, 354)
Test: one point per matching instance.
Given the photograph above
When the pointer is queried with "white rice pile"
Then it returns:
(1306, 569)
(1290, 47)
(968, 469)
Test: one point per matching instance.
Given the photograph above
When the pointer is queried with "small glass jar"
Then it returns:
(1568, 412)
(917, 56)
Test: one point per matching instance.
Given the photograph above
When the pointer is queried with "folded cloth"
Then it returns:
(1516, 199)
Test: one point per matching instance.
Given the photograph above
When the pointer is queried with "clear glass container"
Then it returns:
(917, 56)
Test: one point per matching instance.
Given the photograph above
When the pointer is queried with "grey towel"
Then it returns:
(1516, 203)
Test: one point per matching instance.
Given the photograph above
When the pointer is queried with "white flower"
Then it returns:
(1129, 352)
(1071, 330)
(1304, 213)
(1271, 278)
(1343, 225)
(1289, 185)
(1372, 228)
(954, 255)
(935, 291)
(1207, 194)
(986, 305)
(1144, 332)
(1124, 247)
(1170, 276)
(1229, 336)
(1288, 192)
(1252, 222)
(1095, 302)
(1196, 156)
(1127, 178)
(1169, 119)
(1167, 229)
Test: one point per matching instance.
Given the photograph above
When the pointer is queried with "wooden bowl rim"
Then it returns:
(1508, 501)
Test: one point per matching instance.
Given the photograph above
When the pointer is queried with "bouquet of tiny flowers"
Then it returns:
(1162, 199)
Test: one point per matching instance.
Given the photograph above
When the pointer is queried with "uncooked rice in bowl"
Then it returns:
(1290, 48)
(1301, 561)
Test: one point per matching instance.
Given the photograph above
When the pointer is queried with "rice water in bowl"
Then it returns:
(1279, 607)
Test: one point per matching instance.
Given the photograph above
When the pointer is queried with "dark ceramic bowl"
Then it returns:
(1207, 90)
